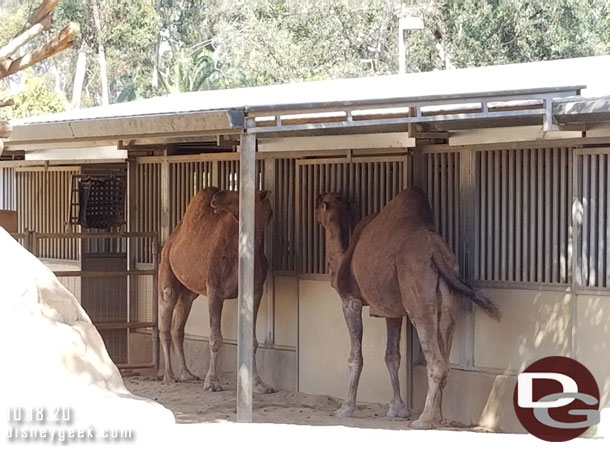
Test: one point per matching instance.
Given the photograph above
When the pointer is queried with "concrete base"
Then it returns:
(277, 367)
(473, 399)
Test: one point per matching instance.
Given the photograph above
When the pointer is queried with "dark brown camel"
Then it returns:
(397, 263)
(200, 258)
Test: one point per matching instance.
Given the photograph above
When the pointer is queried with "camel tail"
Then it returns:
(441, 261)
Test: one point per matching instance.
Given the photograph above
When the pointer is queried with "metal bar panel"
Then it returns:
(539, 215)
(518, 275)
(497, 212)
(555, 221)
(601, 212)
(564, 211)
(547, 199)
(584, 231)
(592, 216)
(532, 217)
(490, 215)
(511, 217)
(504, 216)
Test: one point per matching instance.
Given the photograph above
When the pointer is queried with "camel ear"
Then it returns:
(226, 201)
(262, 195)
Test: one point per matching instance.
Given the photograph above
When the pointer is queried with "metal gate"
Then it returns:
(119, 296)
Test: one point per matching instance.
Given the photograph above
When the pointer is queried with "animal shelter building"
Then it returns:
(514, 159)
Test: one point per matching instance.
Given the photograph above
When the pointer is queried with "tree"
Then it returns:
(19, 53)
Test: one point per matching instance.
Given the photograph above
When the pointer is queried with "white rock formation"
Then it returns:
(54, 359)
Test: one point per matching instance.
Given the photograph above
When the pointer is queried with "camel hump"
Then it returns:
(414, 204)
(445, 263)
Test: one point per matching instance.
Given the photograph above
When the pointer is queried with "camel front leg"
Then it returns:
(258, 386)
(352, 311)
(215, 302)
(392, 360)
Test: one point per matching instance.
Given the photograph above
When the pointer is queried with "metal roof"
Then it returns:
(181, 113)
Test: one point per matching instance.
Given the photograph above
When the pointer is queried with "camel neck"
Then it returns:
(336, 246)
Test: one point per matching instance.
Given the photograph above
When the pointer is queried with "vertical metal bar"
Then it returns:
(165, 200)
(532, 217)
(504, 216)
(564, 211)
(606, 210)
(555, 221)
(539, 228)
(478, 214)
(497, 213)
(584, 230)
(601, 212)
(245, 321)
(491, 191)
(451, 192)
(547, 202)
(518, 273)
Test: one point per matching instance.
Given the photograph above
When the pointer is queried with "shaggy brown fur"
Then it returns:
(201, 258)
(397, 263)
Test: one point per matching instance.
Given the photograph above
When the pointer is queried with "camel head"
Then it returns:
(332, 209)
(228, 201)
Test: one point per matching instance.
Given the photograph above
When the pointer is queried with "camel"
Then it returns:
(200, 257)
(397, 264)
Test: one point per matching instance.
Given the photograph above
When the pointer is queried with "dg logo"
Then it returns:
(556, 399)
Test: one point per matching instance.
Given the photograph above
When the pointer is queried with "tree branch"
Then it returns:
(7, 103)
(63, 40)
(5, 129)
(16, 43)
(41, 12)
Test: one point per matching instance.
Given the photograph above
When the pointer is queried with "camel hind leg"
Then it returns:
(392, 359)
(437, 369)
(180, 315)
(446, 326)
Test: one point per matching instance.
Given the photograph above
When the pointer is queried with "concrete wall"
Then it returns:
(593, 339)
(312, 346)
(324, 347)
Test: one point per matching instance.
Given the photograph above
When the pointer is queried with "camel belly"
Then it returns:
(378, 284)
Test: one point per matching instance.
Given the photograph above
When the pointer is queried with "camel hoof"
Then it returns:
(420, 424)
(397, 409)
(212, 385)
(188, 376)
(345, 411)
(169, 380)
(263, 388)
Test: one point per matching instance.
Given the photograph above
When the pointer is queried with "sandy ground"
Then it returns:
(191, 404)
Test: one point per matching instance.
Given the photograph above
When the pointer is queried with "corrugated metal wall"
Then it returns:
(593, 193)
(43, 205)
(8, 200)
(443, 189)
(368, 183)
(523, 215)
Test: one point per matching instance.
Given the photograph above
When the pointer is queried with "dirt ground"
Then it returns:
(191, 404)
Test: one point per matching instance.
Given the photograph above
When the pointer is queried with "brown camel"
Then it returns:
(200, 258)
(397, 263)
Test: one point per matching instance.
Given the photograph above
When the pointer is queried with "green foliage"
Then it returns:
(35, 99)
(158, 46)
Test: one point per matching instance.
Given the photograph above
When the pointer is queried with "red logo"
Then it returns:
(556, 399)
